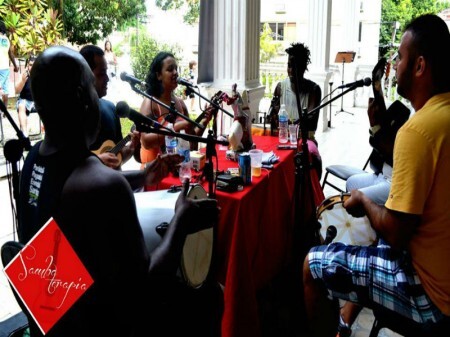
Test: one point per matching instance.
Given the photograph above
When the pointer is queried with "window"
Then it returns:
(279, 29)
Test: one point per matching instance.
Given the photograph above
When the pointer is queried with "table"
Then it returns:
(253, 236)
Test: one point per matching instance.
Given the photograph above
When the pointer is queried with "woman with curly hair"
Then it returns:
(161, 82)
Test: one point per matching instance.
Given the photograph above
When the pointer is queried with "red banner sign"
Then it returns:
(48, 276)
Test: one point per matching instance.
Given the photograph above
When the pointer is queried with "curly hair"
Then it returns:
(154, 86)
(301, 54)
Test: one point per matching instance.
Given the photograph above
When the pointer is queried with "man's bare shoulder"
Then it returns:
(92, 175)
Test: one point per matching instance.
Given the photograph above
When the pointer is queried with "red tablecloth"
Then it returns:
(253, 236)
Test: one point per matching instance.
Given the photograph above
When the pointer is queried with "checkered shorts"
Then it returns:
(369, 274)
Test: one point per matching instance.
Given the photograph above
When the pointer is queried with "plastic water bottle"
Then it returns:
(184, 149)
(283, 121)
(171, 141)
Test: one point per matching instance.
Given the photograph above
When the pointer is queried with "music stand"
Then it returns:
(344, 57)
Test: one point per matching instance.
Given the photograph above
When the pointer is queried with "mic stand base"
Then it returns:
(342, 104)
(208, 170)
(337, 112)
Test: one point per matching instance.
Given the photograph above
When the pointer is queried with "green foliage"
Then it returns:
(403, 11)
(93, 20)
(143, 54)
(126, 124)
(31, 24)
(268, 47)
(192, 8)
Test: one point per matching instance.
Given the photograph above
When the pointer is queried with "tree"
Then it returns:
(403, 11)
(32, 25)
(192, 8)
(267, 46)
(91, 20)
(144, 53)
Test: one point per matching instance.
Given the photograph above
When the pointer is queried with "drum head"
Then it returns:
(350, 230)
(198, 248)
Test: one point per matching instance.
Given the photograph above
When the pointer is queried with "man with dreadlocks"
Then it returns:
(309, 92)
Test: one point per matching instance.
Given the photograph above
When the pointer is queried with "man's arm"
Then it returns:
(20, 84)
(13, 59)
(128, 150)
(315, 96)
(394, 227)
(191, 215)
(153, 171)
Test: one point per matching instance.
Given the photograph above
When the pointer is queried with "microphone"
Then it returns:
(365, 82)
(124, 110)
(330, 234)
(186, 83)
(131, 79)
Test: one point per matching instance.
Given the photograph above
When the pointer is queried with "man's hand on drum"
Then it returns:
(354, 204)
(197, 214)
(159, 168)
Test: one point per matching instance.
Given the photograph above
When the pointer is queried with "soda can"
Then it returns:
(245, 168)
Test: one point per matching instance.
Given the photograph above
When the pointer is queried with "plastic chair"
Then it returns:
(14, 326)
(406, 327)
(342, 172)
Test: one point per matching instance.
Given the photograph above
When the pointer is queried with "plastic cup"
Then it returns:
(256, 162)
(293, 133)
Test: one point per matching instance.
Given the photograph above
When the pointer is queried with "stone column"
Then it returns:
(319, 32)
(235, 51)
(350, 38)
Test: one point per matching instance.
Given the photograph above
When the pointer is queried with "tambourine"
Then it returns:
(350, 230)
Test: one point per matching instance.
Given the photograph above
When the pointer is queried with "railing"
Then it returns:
(270, 74)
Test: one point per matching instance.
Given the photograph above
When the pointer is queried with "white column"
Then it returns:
(351, 23)
(350, 29)
(236, 49)
(319, 32)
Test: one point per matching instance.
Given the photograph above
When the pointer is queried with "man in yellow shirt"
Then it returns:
(408, 272)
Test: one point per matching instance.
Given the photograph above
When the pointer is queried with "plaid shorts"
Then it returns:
(370, 275)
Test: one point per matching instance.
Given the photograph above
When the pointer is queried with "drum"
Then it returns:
(350, 230)
(157, 207)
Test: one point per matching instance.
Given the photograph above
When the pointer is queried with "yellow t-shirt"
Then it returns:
(421, 185)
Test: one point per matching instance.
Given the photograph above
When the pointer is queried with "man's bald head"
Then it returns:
(63, 90)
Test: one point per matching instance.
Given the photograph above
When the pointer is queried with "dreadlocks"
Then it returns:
(301, 55)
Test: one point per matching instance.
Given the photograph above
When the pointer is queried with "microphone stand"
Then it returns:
(300, 120)
(13, 151)
(171, 108)
(210, 141)
(214, 104)
(306, 232)
(308, 235)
